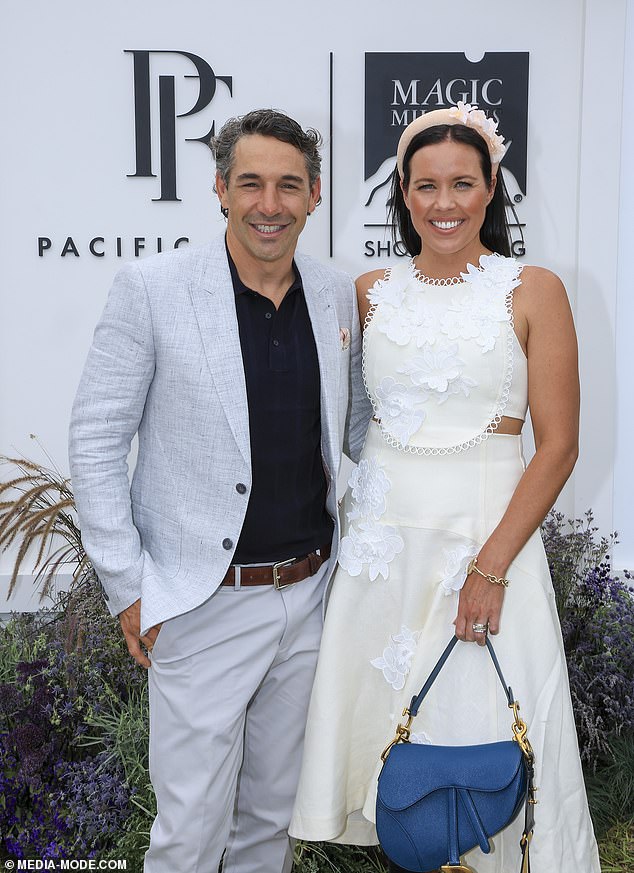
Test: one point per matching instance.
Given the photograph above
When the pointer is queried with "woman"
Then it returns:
(458, 341)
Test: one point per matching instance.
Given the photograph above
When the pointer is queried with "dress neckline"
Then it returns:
(437, 283)
(447, 281)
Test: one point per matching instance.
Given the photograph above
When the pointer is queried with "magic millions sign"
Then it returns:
(401, 86)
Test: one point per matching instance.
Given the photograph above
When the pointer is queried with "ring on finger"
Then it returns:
(479, 628)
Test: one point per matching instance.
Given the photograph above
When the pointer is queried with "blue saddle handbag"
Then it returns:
(434, 803)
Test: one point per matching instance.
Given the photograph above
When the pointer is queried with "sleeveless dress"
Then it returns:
(442, 365)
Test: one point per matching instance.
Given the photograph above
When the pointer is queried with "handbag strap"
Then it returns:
(418, 699)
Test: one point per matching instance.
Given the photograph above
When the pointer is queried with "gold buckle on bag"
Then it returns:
(520, 730)
(403, 732)
(456, 868)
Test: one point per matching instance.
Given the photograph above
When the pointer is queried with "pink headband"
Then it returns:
(463, 113)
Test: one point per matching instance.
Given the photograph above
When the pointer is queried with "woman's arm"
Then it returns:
(363, 285)
(544, 324)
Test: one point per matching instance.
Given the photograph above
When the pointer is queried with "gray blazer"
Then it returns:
(166, 363)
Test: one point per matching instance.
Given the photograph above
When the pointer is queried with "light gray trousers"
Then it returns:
(229, 688)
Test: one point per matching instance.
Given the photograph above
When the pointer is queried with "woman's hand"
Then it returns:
(480, 603)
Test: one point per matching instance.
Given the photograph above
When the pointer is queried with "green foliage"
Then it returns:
(611, 787)
(616, 849)
(330, 858)
(17, 646)
(121, 728)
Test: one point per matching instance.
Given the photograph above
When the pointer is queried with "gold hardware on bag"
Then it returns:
(456, 868)
(525, 845)
(402, 734)
(520, 731)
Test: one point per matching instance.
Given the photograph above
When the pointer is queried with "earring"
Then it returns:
(224, 211)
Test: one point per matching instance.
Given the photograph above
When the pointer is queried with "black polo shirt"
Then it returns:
(286, 516)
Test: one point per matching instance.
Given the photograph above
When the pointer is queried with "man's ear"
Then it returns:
(221, 191)
(315, 196)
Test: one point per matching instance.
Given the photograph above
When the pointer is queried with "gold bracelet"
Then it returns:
(496, 580)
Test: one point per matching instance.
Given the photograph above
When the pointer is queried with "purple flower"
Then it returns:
(596, 610)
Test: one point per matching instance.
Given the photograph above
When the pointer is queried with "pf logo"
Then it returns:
(167, 115)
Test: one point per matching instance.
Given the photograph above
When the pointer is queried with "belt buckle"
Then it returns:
(279, 586)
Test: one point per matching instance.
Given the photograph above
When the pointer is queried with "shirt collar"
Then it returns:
(240, 288)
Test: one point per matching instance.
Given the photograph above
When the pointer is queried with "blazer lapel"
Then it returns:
(214, 305)
(325, 326)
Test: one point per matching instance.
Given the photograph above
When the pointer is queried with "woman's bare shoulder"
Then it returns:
(366, 280)
(540, 280)
(540, 291)
(364, 283)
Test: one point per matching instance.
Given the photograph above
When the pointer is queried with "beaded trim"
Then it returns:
(504, 394)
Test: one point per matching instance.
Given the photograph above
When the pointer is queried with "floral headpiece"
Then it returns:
(463, 113)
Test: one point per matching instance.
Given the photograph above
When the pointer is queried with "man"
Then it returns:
(237, 364)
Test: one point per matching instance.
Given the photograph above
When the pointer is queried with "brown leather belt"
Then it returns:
(279, 575)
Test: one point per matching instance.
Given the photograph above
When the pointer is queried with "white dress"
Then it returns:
(442, 366)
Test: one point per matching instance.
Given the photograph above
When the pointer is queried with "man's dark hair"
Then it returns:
(266, 122)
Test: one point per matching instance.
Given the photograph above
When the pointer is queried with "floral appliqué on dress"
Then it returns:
(369, 485)
(408, 317)
(457, 561)
(396, 658)
(368, 543)
(478, 314)
(398, 408)
(439, 371)
(405, 315)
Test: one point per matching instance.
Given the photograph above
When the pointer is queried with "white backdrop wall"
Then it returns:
(624, 348)
(68, 152)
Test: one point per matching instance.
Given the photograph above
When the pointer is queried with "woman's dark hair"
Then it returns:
(494, 233)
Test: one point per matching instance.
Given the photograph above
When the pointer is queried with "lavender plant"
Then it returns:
(596, 610)
(58, 801)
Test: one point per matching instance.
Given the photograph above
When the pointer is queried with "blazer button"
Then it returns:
(227, 544)
(241, 488)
